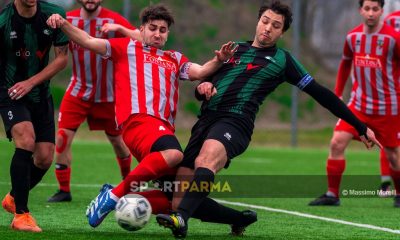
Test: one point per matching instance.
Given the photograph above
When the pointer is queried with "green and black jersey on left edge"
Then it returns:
(24, 48)
(245, 80)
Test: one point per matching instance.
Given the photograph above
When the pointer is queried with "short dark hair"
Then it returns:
(381, 2)
(279, 8)
(156, 12)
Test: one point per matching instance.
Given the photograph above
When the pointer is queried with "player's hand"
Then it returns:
(226, 52)
(206, 89)
(110, 27)
(55, 21)
(370, 140)
(20, 89)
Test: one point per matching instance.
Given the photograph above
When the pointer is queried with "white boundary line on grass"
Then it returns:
(305, 215)
(268, 209)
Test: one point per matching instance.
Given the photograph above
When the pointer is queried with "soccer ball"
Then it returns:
(132, 212)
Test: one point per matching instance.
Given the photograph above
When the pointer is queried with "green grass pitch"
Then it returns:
(94, 164)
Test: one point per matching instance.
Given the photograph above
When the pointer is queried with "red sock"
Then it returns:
(385, 168)
(125, 165)
(64, 179)
(158, 201)
(334, 171)
(396, 179)
(151, 167)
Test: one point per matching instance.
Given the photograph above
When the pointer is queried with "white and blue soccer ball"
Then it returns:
(133, 212)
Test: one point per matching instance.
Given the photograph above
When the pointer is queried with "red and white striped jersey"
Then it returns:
(375, 58)
(146, 79)
(393, 20)
(92, 76)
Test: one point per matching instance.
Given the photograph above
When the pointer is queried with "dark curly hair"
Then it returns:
(156, 12)
(279, 8)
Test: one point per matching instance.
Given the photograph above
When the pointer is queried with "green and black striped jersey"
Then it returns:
(244, 81)
(24, 47)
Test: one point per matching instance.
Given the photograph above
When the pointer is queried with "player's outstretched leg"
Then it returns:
(325, 200)
(8, 203)
(101, 206)
(249, 217)
(175, 222)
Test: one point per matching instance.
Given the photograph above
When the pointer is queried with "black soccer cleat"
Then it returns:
(60, 196)
(249, 217)
(397, 201)
(175, 222)
(325, 200)
(384, 190)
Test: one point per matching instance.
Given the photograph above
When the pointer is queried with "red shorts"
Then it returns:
(386, 128)
(141, 131)
(100, 116)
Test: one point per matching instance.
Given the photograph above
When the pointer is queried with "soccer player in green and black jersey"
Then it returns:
(26, 105)
(226, 122)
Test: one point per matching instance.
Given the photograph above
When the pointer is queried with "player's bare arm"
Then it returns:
(199, 72)
(113, 27)
(60, 61)
(77, 35)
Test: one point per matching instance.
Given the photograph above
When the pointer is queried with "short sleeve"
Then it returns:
(184, 65)
(347, 50)
(115, 47)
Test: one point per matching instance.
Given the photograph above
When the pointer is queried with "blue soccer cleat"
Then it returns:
(101, 206)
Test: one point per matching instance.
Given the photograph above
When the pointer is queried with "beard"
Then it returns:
(92, 9)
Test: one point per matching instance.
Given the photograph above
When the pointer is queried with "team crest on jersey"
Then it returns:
(160, 62)
(367, 61)
(380, 43)
(47, 32)
(13, 34)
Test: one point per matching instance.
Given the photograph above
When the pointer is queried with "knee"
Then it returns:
(173, 157)
(116, 141)
(393, 156)
(26, 142)
(337, 146)
(394, 161)
(44, 159)
(24, 136)
(62, 142)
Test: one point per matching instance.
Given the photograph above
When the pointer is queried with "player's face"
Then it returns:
(269, 29)
(155, 33)
(90, 5)
(371, 12)
(28, 3)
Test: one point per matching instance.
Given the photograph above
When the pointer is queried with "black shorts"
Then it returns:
(233, 132)
(40, 114)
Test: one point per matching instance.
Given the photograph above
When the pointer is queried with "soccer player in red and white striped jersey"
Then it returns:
(372, 50)
(147, 92)
(90, 94)
(393, 20)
